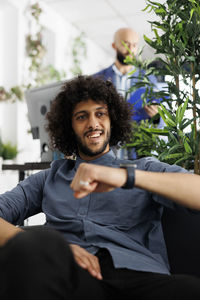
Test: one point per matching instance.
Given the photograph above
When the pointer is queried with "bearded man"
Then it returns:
(119, 71)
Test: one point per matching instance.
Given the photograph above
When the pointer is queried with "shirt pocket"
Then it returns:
(119, 207)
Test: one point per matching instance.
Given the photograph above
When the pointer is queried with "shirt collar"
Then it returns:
(117, 71)
(105, 159)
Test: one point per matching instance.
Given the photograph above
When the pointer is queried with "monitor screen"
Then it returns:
(38, 103)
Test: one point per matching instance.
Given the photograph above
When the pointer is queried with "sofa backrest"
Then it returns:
(182, 236)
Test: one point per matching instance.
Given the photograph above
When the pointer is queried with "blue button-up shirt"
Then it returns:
(126, 222)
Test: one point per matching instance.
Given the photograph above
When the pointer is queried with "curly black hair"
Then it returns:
(79, 89)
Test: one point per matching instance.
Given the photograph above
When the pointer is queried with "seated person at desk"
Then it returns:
(116, 245)
(119, 71)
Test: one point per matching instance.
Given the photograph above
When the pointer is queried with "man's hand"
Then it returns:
(7, 231)
(94, 178)
(151, 110)
(86, 261)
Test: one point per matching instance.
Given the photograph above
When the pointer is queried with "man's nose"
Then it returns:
(92, 122)
(131, 47)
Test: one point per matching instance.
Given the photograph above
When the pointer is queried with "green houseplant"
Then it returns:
(177, 45)
(8, 151)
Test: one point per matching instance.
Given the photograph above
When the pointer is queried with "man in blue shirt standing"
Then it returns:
(119, 71)
(108, 210)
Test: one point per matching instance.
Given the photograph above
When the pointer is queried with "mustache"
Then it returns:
(93, 130)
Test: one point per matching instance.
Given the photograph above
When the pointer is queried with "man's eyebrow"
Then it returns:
(102, 107)
(85, 111)
(79, 112)
(131, 43)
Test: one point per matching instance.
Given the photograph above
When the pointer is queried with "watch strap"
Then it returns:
(130, 176)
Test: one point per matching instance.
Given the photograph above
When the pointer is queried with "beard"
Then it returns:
(83, 148)
(121, 57)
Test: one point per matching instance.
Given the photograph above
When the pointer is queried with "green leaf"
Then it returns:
(127, 48)
(160, 11)
(184, 158)
(187, 147)
(132, 72)
(155, 3)
(162, 115)
(172, 137)
(191, 14)
(157, 131)
(186, 124)
(167, 113)
(170, 123)
(191, 58)
(174, 148)
(157, 36)
(182, 112)
(167, 121)
(178, 114)
(147, 40)
(174, 155)
(147, 8)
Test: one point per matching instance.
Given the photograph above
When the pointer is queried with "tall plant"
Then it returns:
(177, 43)
(39, 73)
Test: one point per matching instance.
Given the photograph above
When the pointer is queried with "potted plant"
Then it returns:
(177, 44)
(8, 151)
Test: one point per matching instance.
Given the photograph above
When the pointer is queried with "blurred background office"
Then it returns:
(67, 37)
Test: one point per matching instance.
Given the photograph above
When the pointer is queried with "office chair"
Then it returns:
(182, 237)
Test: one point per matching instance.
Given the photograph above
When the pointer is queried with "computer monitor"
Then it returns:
(38, 103)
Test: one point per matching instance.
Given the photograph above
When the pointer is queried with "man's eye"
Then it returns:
(81, 117)
(100, 114)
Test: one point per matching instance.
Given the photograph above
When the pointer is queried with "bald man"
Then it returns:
(118, 73)
(131, 38)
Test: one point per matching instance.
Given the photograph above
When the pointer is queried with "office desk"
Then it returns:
(29, 166)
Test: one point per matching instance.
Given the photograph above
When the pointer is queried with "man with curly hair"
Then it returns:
(60, 125)
(106, 212)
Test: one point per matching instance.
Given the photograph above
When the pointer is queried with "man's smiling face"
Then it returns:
(91, 125)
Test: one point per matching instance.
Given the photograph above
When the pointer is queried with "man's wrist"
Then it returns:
(130, 168)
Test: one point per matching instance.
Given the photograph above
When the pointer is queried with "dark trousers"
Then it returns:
(38, 265)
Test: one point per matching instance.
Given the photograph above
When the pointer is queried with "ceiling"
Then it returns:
(99, 19)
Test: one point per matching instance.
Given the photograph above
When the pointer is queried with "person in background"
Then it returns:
(118, 73)
(104, 213)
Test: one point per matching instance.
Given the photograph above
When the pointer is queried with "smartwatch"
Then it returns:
(130, 168)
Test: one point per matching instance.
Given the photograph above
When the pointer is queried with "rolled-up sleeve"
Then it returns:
(154, 165)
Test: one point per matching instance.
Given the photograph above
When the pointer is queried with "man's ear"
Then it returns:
(113, 45)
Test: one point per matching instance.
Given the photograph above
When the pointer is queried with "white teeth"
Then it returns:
(94, 135)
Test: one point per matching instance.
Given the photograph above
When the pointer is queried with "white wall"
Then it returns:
(64, 34)
(1, 48)
(9, 45)
(9, 66)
